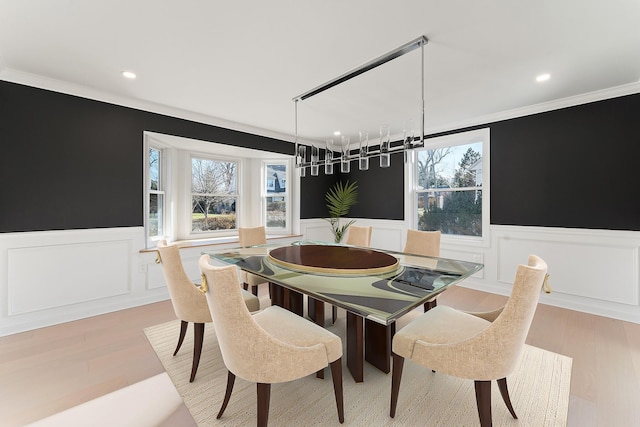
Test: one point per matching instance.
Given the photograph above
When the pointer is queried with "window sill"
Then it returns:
(220, 241)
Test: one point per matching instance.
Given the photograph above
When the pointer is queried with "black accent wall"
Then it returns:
(380, 194)
(574, 167)
(69, 163)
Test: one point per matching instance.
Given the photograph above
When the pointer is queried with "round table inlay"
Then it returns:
(334, 259)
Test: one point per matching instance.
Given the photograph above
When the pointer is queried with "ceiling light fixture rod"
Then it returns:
(395, 53)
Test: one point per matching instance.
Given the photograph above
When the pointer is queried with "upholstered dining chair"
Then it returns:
(477, 346)
(188, 303)
(271, 346)
(358, 236)
(250, 237)
(426, 243)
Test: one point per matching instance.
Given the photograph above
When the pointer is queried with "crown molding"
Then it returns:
(557, 104)
(42, 82)
(55, 85)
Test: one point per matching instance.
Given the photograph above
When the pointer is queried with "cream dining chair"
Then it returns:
(477, 346)
(250, 237)
(271, 346)
(358, 236)
(426, 243)
(188, 303)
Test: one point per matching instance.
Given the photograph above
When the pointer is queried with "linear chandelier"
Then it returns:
(363, 140)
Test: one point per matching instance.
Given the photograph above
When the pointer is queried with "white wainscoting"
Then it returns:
(594, 271)
(52, 277)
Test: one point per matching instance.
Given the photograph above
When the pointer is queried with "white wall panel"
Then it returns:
(44, 277)
(582, 268)
(52, 277)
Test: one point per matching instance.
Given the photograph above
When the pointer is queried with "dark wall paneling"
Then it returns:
(380, 194)
(71, 163)
(574, 167)
(312, 191)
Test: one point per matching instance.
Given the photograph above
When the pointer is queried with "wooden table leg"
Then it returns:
(294, 301)
(277, 295)
(355, 347)
(287, 299)
(378, 344)
(314, 307)
(317, 307)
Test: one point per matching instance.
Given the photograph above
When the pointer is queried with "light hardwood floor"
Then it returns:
(50, 369)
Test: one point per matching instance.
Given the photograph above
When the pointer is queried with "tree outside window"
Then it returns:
(214, 195)
(449, 189)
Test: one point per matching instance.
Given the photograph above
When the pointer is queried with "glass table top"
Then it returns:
(379, 295)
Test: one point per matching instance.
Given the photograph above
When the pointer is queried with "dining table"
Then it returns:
(374, 286)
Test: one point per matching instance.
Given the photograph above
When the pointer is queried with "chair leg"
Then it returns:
(254, 290)
(183, 332)
(198, 337)
(245, 286)
(264, 394)
(231, 379)
(430, 304)
(396, 377)
(504, 391)
(336, 374)
(483, 400)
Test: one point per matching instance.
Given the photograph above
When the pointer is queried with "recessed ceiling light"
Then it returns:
(337, 133)
(129, 74)
(543, 77)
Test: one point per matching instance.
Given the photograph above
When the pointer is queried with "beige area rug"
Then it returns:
(539, 390)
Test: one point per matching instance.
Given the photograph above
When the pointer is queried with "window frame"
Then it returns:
(177, 153)
(150, 144)
(455, 139)
(287, 195)
(238, 196)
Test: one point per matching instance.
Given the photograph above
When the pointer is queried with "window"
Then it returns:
(450, 184)
(276, 195)
(204, 190)
(214, 194)
(155, 194)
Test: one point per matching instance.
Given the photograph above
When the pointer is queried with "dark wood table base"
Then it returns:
(375, 349)
(287, 299)
(316, 306)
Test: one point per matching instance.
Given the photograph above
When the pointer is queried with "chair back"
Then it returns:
(188, 303)
(252, 236)
(426, 243)
(359, 236)
(248, 351)
(508, 332)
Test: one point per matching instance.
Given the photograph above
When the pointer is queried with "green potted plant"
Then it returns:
(339, 200)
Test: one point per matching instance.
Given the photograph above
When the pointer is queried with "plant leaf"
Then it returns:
(341, 197)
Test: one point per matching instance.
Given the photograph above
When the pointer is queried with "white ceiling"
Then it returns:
(244, 61)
